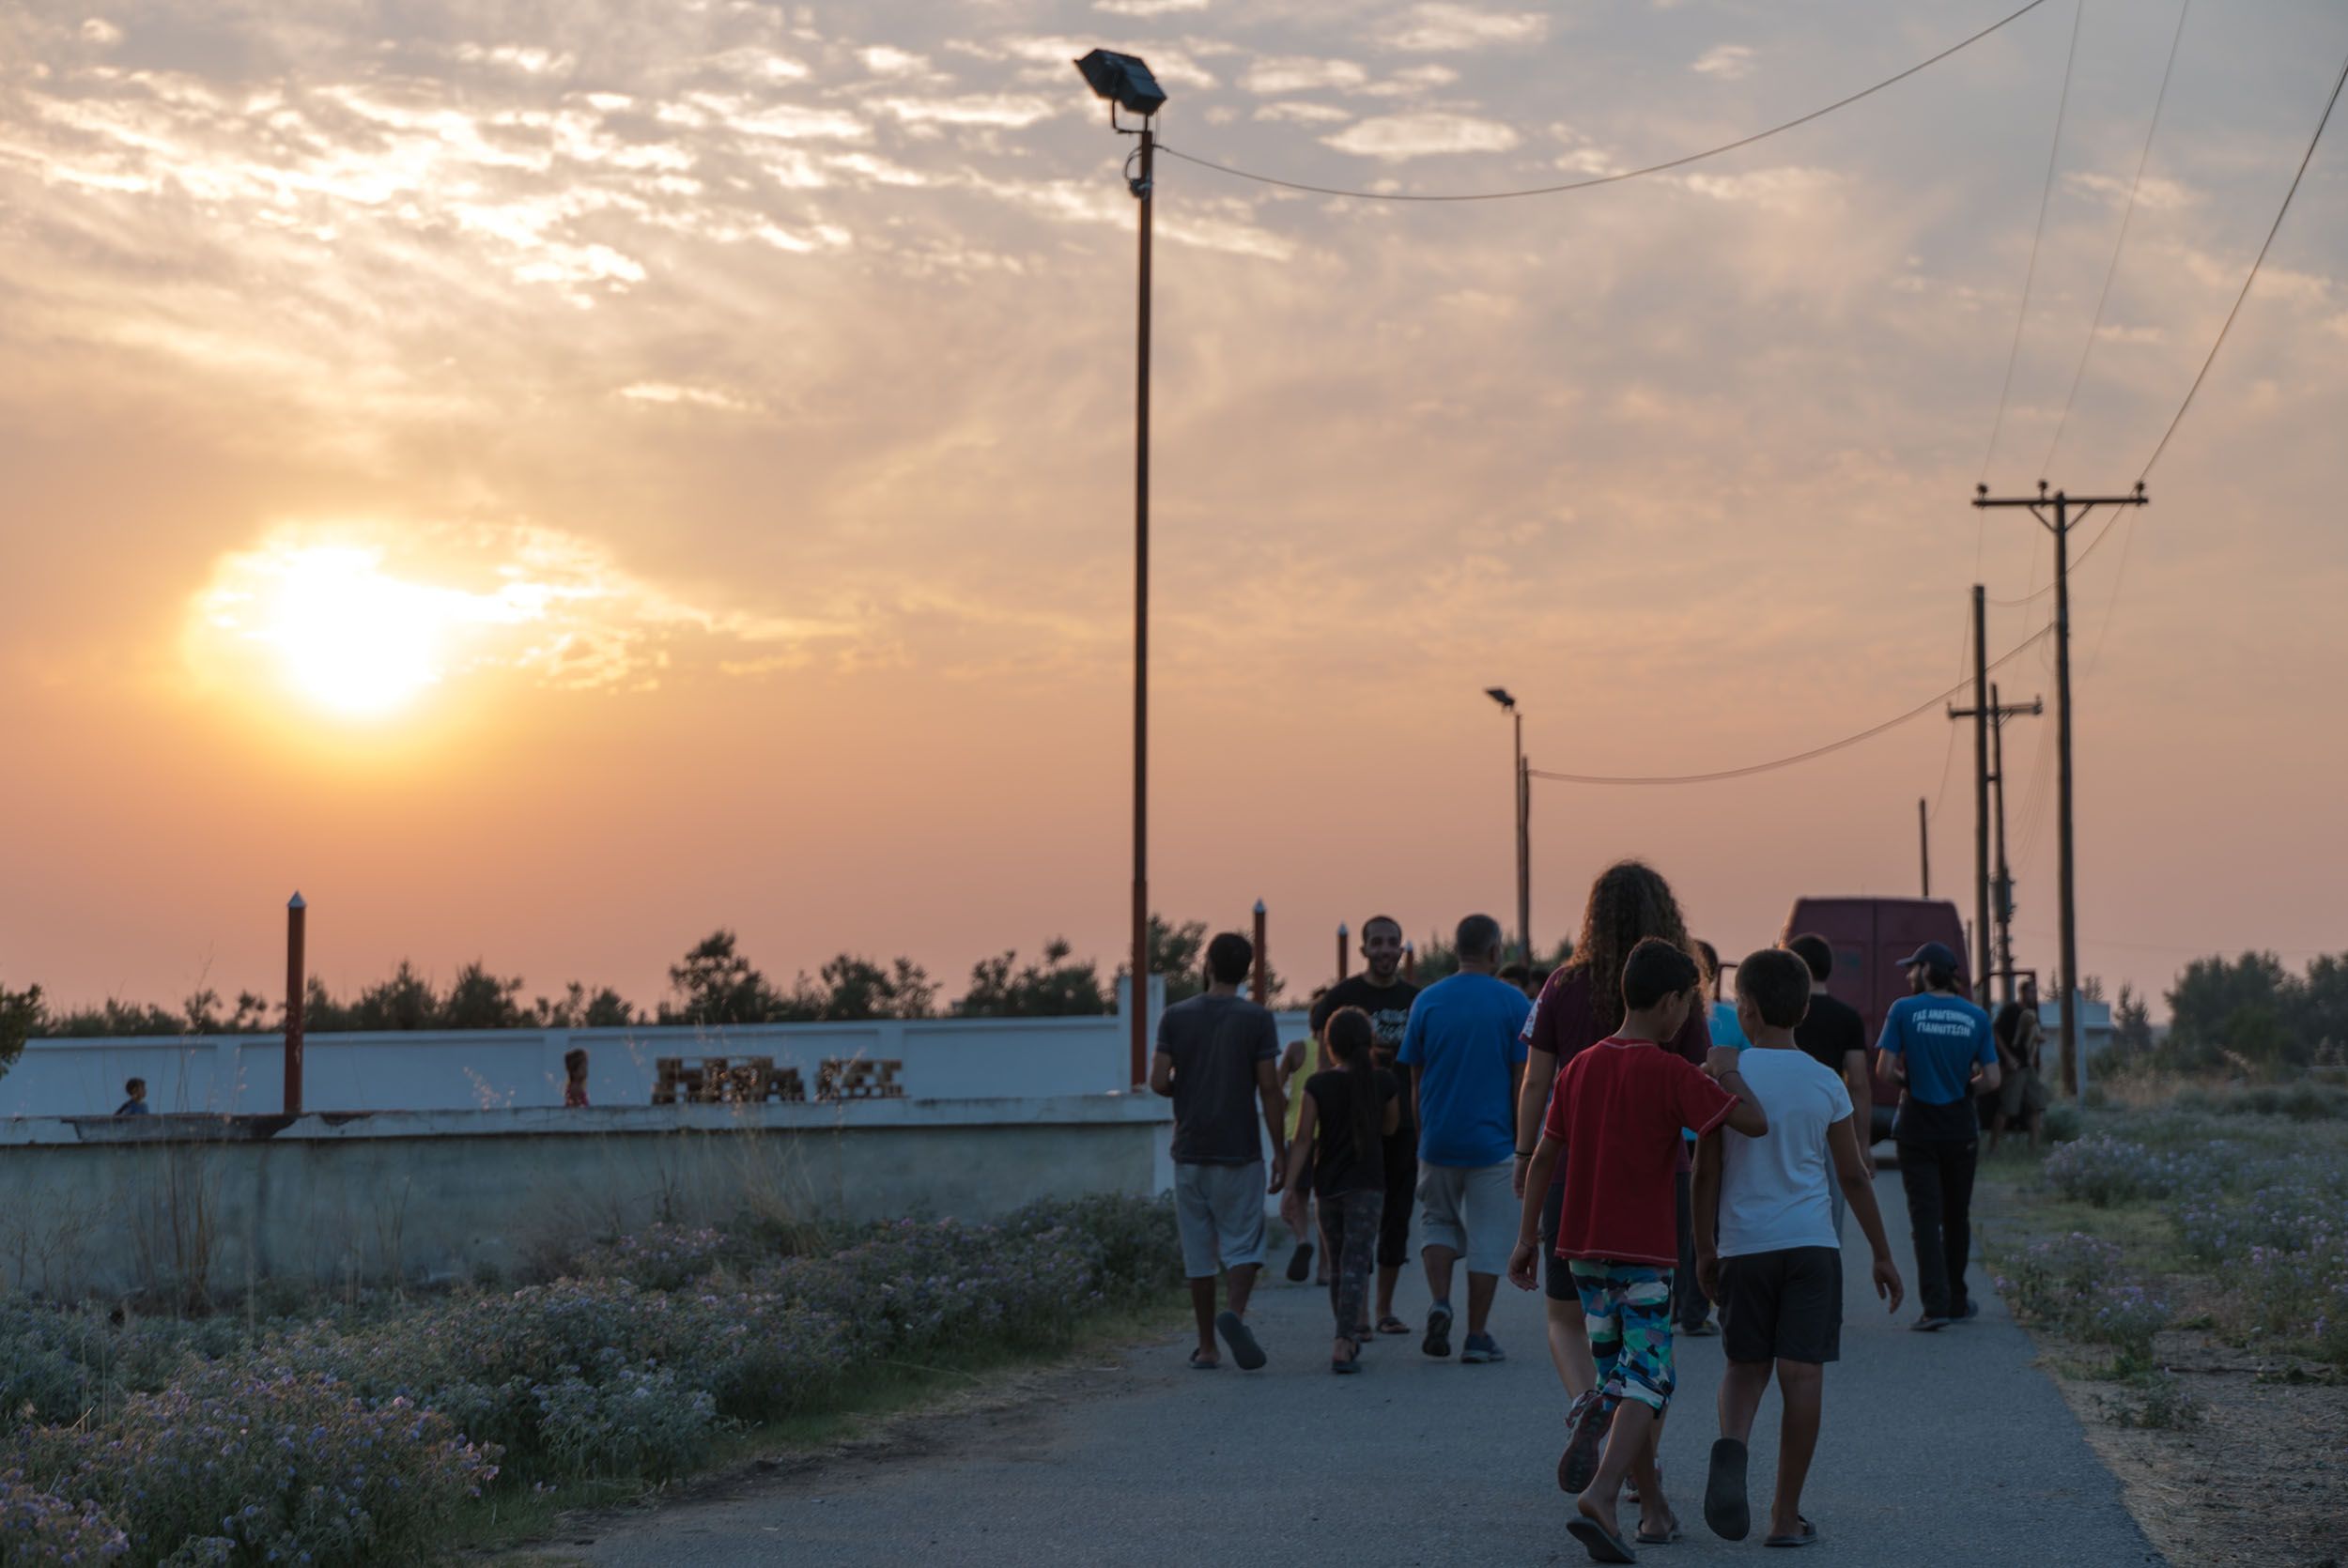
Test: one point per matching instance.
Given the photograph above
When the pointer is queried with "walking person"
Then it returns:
(1579, 1004)
(1833, 1034)
(1770, 1249)
(1613, 1124)
(575, 1078)
(1383, 992)
(2022, 1093)
(1217, 1059)
(1935, 1043)
(1348, 1111)
(1464, 1048)
(1691, 1308)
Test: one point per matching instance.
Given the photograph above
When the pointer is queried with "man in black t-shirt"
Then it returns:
(1834, 1036)
(1381, 992)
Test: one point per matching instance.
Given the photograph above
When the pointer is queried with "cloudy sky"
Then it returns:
(550, 479)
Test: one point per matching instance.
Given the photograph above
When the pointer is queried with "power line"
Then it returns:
(2273, 229)
(1867, 734)
(2037, 594)
(1680, 162)
(2126, 216)
(1948, 758)
(2030, 273)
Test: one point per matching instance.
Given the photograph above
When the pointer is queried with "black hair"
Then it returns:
(1476, 937)
(134, 1088)
(1349, 1034)
(1814, 950)
(1516, 974)
(1381, 920)
(574, 1059)
(1228, 958)
(1656, 969)
(1931, 976)
(1778, 984)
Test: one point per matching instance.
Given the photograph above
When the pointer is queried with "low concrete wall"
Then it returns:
(945, 1058)
(191, 1203)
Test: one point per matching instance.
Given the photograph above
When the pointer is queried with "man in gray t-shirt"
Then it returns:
(1218, 1057)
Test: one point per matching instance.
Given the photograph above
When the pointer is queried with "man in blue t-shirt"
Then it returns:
(1933, 1045)
(1464, 1051)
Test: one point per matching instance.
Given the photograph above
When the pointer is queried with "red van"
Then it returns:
(1869, 937)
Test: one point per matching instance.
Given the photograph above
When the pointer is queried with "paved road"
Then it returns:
(1939, 1448)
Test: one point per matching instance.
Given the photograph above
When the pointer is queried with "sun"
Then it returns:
(349, 638)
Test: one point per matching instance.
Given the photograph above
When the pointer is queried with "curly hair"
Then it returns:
(1629, 903)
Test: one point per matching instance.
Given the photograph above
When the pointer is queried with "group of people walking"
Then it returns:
(1621, 1142)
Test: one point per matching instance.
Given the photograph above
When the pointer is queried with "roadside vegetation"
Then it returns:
(2185, 1262)
(393, 1429)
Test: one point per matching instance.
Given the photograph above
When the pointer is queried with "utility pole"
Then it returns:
(2002, 881)
(2003, 893)
(1979, 712)
(1923, 841)
(2069, 512)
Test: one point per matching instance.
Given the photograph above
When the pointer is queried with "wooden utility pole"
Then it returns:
(2003, 893)
(2001, 881)
(1923, 842)
(2068, 513)
(1981, 797)
(297, 993)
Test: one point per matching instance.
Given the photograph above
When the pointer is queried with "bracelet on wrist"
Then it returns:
(1525, 1154)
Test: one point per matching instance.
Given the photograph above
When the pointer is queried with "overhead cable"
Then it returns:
(1680, 162)
(2030, 273)
(2273, 229)
(1816, 752)
(2127, 214)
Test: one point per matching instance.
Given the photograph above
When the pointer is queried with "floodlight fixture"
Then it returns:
(1500, 695)
(1124, 79)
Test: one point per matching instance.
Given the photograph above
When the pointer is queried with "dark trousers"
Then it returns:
(1688, 1306)
(1349, 1229)
(1938, 1178)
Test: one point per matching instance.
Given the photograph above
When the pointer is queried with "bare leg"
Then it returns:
(1439, 1261)
(1569, 1348)
(1741, 1387)
(1802, 1386)
(1482, 1288)
(1631, 1440)
(1388, 1274)
(1243, 1285)
(2037, 1122)
(1202, 1308)
(1655, 1514)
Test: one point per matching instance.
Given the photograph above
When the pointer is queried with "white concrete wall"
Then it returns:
(489, 1069)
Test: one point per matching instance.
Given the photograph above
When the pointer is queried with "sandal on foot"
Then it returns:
(1200, 1363)
(1392, 1324)
(1299, 1262)
(1806, 1536)
(1725, 1508)
(1347, 1364)
(1586, 1424)
(1671, 1535)
(1604, 1544)
(1235, 1332)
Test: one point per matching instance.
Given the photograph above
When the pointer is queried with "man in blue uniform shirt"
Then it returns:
(1935, 1043)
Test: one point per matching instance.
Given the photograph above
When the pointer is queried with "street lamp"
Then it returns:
(1127, 83)
(1524, 839)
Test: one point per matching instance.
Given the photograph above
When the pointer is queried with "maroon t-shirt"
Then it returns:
(1560, 1024)
(1618, 1108)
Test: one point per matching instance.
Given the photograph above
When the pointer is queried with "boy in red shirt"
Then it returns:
(1614, 1118)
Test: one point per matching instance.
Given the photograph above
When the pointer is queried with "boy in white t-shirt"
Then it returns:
(1767, 1250)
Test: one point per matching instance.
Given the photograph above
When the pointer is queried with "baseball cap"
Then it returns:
(1934, 953)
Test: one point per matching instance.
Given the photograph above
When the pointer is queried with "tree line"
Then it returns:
(714, 983)
(2247, 1015)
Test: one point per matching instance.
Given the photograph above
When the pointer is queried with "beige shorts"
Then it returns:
(2021, 1092)
(1474, 1211)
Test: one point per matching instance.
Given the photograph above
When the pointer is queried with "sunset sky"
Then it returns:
(548, 479)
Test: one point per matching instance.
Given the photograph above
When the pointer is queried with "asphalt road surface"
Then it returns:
(1939, 1449)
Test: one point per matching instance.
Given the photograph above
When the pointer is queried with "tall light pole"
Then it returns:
(1125, 82)
(1524, 837)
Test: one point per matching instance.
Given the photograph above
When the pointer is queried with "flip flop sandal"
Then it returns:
(1392, 1324)
(1604, 1544)
(1806, 1536)
(1198, 1365)
(1671, 1536)
(1348, 1364)
(1299, 1262)
(1235, 1332)
(1586, 1442)
(1725, 1507)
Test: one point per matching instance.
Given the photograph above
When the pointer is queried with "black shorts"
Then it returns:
(1784, 1305)
(1557, 1272)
